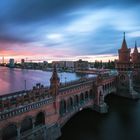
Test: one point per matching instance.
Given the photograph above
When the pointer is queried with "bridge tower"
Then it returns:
(136, 66)
(125, 68)
(54, 88)
(54, 82)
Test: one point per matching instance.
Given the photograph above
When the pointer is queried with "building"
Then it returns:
(11, 63)
(22, 61)
(81, 65)
(64, 65)
(128, 70)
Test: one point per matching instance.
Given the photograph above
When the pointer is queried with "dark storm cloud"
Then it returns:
(65, 23)
(34, 10)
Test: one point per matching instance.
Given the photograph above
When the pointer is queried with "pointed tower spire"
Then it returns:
(124, 35)
(54, 74)
(135, 49)
(124, 45)
(54, 82)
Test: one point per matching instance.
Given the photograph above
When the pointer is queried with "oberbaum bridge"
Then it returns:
(40, 113)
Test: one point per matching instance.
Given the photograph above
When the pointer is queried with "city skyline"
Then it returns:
(72, 30)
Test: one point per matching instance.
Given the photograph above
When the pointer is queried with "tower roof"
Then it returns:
(124, 45)
(54, 74)
(135, 49)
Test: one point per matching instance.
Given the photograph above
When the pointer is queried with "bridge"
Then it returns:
(41, 112)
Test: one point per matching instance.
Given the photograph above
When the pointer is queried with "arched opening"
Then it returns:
(91, 94)
(81, 98)
(26, 124)
(86, 95)
(40, 119)
(70, 103)
(62, 107)
(122, 77)
(76, 100)
(10, 132)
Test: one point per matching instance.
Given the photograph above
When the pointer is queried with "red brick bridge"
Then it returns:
(41, 112)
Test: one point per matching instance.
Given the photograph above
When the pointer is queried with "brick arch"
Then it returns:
(86, 95)
(91, 95)
(9, 131)
(26, 124)
(81, 97)
(63, 107)
(70, 103)
(76, 100)
(40, 118)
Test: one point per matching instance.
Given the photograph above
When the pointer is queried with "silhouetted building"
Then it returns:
(81, 65)
(11, 63)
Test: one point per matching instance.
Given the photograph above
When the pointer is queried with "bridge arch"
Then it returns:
(86, 95)
(40, 119)
(26, 124)
(91, 94)
(82, 98)
(70, 104)
(76, 100)
(9, 132)
(63, 107)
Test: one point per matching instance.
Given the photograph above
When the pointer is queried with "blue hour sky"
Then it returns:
(67, 29)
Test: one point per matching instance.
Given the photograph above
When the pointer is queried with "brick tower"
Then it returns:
(54, 82)
(125, 76)
(136, 68)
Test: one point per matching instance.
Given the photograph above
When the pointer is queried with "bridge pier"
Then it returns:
(53, 132)
(101, 108)
(100, 105)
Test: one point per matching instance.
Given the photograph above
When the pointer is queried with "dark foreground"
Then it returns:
(122, 122)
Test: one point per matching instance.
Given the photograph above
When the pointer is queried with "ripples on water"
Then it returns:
(122, 122)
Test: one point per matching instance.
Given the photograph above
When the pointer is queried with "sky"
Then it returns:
(67, 29)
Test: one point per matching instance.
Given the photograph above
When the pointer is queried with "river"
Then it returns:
(12, 80)
(122, 122)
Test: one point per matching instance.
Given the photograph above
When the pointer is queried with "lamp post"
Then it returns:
(65, 80)
(25, 84)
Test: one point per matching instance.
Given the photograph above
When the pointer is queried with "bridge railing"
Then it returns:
(82, 80)
(21, 109)
(32, 132)
(77, 83)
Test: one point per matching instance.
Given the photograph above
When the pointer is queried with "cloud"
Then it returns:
(67, 28)
(134, 34)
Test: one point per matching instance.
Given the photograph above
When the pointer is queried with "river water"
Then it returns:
(12, 80)
(122, 122)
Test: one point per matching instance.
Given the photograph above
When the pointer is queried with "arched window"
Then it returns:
(76, 99)
(26, 124)
(62, 107)
(81, 97)
(70, 103)
(9, 132)
(91, 94)
(86, 95)
(40, 119)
